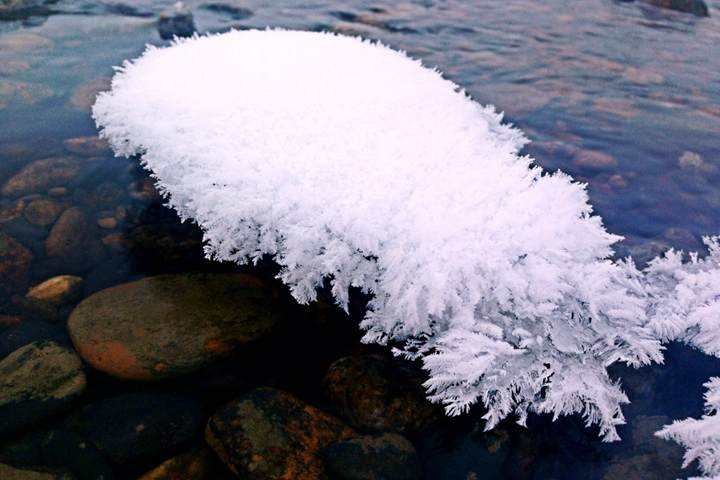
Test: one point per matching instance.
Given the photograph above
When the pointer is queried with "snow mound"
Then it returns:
(350, 162)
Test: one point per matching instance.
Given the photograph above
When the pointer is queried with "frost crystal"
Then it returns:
(349, 161)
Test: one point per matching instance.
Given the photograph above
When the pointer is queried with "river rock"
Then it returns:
(140, 426)
(696, 7)
(83, 97)
(51, 298)
(594, 160)
(268, 434)
(385, 457)
(42, 212)
(376, 393)
(91, 146)
(73, 240)
(177, 21)
(195, 465)
(36, 381)
(41, 175)
(11, 210)
(170, 325)
(11, 473)
(15, 262)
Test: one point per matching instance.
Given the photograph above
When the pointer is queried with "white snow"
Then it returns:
(349, 161)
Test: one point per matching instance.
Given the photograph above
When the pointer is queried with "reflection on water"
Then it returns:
(623, 96)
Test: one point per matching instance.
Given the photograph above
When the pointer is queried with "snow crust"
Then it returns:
(348, 161)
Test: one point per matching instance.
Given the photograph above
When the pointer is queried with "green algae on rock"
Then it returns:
(169, 325)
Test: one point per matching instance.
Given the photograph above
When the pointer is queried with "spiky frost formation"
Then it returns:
(349, 161)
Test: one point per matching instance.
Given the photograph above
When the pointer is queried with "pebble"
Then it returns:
(268, 434)
(41, 175)
(170, 325)
(83, 97)
(71, 239)
(139, 427)
(15, 262)
(51, 296)
(376, 393)
(107, 223)
(42, 212)
(594, 160)
(195, 465)
(91, 146)
(384, 457)
(177, 21)
(36, 381)
(11, 473)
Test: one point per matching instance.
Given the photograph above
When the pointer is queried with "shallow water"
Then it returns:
(623, 96)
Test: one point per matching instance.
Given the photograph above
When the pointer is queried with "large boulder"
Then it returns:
(140, 427)
(170, 325)
(36, 381)
(376, 393)
(41, 175)
(268, 434)
(384, 457)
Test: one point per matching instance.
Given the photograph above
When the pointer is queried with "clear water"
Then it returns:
(637, 84)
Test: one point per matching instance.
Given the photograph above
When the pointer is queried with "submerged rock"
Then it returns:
(177, 21)
(91, 146)
(140, 426)
(41, 175)
(15, 262)
(195, 465)
(37, 381)
(51, 298)
(169, 325)
(84, 95)
(384, 457)
(72, 240)
(42, 212)
(11, 473)
(696, 7)
(269, 434)
(375, 393)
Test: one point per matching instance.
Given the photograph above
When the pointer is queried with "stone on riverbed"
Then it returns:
(140, 426)
(169, 325)
(270, 435)
(37, 381)
(15, 262)
(41, 175)
(376, 393)
(73, 241)
(51, 298)
(42, 212)
(384, 457)
(11, 473)
(177, 21)
(91, 146)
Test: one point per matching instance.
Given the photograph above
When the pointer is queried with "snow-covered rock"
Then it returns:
(348, 161)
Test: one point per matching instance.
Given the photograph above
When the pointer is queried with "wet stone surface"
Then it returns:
(77, 227)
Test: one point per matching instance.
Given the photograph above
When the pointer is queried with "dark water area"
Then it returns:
(624, 96)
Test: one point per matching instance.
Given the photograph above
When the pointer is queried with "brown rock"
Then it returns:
(115, 242)
(107, 223)
(268, 434)
(83, 97)
(170, 325)
(41, 175)
(36, 381)
(14, 264)
(11, 473)
(71, 237)
(376, 393)
(91, 146)
(384, 457)
(42, 212)
(57, 291)
(594, 160)
(11, 210)
(195, 465)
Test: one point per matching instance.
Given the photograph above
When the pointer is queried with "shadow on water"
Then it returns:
(622, 95)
